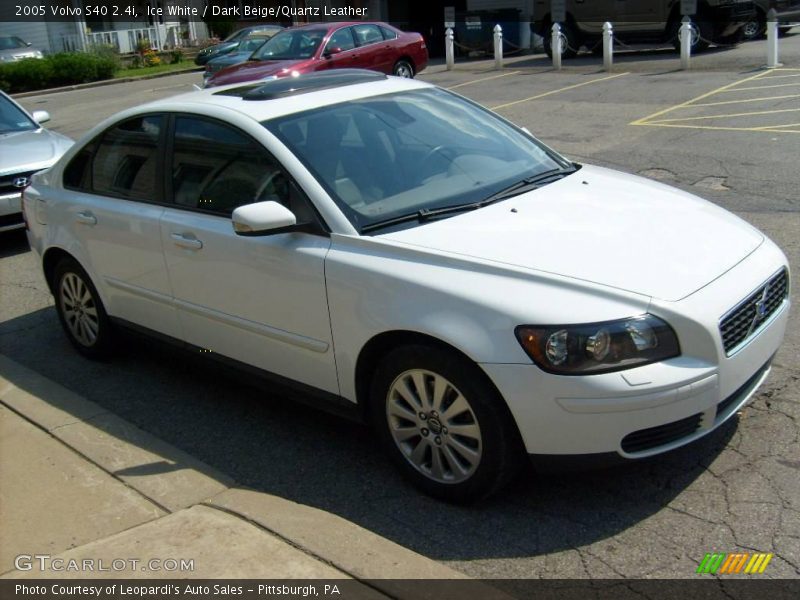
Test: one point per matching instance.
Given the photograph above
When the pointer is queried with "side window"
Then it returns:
(367, 34)
(76, 173)
(126, 160)
(388, 34)
(217, 168)
(342, 39)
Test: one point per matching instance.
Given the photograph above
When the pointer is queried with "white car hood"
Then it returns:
(30, 150)
(604, 227)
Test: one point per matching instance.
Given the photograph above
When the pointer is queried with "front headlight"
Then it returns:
(599, 347)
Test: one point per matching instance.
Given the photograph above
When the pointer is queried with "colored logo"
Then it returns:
(721, 563)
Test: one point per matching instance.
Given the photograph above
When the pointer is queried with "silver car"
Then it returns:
(13, 48)
(25, 148)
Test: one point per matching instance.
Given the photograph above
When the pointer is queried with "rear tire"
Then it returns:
(81, 311)
(756, 28)
(402, 68)
(701, 35)
(443, 424)
(569, 42)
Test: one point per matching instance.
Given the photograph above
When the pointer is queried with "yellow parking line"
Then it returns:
(558, 91)
(786, 69)
(745, 101)
(781, 76)
(644, 120)
(452, 87)
(747, 114)
(777, 126)
(714, 128)
(763, 87)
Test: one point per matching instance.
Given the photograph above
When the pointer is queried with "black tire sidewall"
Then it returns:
(500, 439)
(102, 348)
(407, 64)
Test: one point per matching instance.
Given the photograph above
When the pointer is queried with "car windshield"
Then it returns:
(251, 44)
(10, 42)
(13, 119)
(291, 45)
(388, 156)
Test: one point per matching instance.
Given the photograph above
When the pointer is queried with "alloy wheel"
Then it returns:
(434, 426)
(79, 309)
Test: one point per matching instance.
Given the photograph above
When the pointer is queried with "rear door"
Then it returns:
(112, 207)
(259, 300)
(372, 48)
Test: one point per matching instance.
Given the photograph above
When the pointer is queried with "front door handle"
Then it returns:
(86, 218)
(185, 241)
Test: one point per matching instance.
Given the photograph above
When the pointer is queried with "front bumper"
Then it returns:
(11, 212)
(655, 408)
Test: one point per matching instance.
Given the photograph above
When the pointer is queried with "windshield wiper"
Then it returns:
(524, 185)
(530, 183)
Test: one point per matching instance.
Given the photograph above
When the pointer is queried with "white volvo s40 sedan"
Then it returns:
(405, 255)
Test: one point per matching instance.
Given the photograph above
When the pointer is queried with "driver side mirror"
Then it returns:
(262, 218)
(41, 116)
(331, 51)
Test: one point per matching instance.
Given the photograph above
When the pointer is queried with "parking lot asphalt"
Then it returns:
(738, 489)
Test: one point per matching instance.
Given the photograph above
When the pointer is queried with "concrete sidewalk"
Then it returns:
(77, 482)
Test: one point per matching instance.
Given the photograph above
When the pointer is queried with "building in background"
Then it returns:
(123, 32)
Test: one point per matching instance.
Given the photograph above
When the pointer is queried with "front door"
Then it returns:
(259, 300)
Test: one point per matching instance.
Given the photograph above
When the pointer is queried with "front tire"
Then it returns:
(403, 68)
(81, 311)
(443, 424)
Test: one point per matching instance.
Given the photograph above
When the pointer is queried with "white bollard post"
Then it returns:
(555, 45)
(685, 37)
(449, 49)
(498, 47)
(608, 46)
(772, 39)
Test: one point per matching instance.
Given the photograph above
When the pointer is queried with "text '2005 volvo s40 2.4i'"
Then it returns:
(391, 247)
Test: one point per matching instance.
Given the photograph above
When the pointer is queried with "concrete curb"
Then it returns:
(177, 483)
(103, 83)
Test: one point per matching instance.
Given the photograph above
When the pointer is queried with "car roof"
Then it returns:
(240, 97)
(331, 25)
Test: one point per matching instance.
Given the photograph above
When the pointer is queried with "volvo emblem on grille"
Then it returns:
(21, 182)
(761, 309)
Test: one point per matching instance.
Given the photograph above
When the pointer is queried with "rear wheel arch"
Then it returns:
(50, 261)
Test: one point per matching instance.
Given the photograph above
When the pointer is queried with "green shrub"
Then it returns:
(66, 68)
(176, 56)
(26, 74)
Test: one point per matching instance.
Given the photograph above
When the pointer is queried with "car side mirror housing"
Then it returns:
(41, 116)
(331, 51)
(262, 218)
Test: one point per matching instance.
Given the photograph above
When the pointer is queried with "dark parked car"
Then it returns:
(788, 15)
(240, 54)
(231, 43)
(642, 21)
(321, 46)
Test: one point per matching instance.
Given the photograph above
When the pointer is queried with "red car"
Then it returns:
(320, 46)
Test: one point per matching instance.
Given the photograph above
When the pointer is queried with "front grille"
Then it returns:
(746, 319)
(7, 182)
(645, 439)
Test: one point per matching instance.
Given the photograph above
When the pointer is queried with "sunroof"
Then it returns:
(291, 86)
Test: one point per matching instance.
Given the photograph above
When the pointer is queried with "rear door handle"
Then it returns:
(185, 241)
(86, 217)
